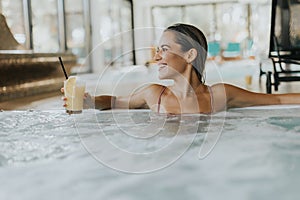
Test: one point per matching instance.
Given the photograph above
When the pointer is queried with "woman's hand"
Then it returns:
(63, 98)
(88, 100)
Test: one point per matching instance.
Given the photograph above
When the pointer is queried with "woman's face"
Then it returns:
(169, 57)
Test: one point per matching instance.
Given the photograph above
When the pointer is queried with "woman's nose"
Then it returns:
(157, 55)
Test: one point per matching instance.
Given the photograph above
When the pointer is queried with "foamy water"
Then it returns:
(51, 155)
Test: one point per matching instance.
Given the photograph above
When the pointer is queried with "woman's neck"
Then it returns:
(186, 83)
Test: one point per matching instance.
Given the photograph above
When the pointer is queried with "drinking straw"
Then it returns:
(63, 67)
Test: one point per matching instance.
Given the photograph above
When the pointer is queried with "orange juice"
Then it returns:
(74, 92)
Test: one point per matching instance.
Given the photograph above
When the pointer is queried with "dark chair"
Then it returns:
(281, 70)
(284, 46)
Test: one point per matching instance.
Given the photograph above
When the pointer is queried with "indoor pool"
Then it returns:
(251, 153)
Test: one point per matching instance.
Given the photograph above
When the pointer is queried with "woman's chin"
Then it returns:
(162, 76)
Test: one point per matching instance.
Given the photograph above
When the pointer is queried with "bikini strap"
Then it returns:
(159, 98)
(211, 99)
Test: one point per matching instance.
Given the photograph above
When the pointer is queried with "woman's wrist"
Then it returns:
(104, 102)
(113, 102)
(89, 101)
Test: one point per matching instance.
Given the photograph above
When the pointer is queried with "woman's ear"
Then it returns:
(191, 55)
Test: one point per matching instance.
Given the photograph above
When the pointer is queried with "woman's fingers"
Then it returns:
(64, 99)
(88, 100)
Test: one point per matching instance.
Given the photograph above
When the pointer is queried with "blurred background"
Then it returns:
(114, 37)
(79, 26)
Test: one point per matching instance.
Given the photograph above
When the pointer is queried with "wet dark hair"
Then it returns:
(189, 36)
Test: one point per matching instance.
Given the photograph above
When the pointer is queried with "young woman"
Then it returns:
(181, 56)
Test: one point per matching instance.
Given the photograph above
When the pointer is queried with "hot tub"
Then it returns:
(251, 153)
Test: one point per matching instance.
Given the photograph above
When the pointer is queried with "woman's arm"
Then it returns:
(292, 98)
(105, 102)
(238, 97)
(138, 99)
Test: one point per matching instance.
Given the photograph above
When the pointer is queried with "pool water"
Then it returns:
(136, 154)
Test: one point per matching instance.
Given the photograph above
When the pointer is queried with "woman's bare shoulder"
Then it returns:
(150, 93)
(149, 90)
(153, 87)
(225, 91)
(217, 87)
(223, 87)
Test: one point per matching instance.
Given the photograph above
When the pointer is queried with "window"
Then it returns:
(165, 16)
(116, 35)
(13, 12)
(232, 22)
(222, 21)
(45, 33)
(50, 26)
(202, 16)
(77, 28)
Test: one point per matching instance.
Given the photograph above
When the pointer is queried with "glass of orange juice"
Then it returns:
(74, 89)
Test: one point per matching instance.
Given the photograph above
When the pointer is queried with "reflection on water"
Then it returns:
(257, 156)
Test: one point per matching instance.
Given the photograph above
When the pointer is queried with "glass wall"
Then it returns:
(232, 22)
(50, 26)
(197, 14)
(260, 28)
(115, 27)
(77, 31)
(164, 16)
(45, 33)
(222, 22)
(13, 12)
(65, 25)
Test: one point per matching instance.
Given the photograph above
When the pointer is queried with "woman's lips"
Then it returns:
(162, 66)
